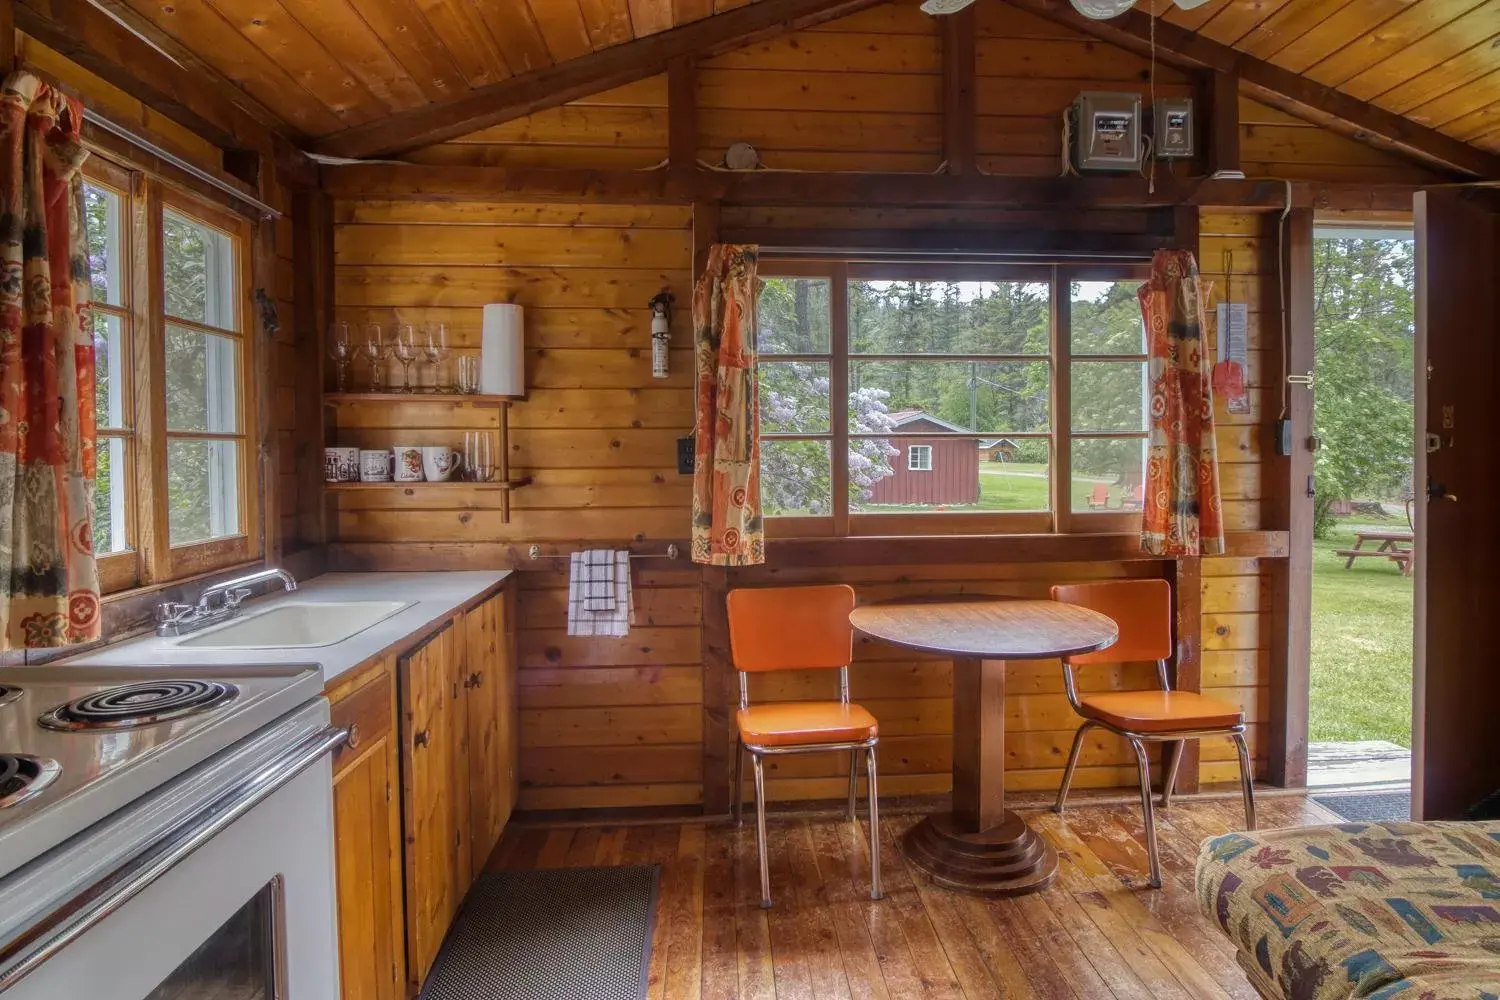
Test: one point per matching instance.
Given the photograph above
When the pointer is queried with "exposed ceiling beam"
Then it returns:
(568, 81)
(1280, 88)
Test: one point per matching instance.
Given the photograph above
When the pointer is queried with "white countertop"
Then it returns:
(435, 595)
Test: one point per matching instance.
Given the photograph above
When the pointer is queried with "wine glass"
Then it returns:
(437, 352)
(374, 351)
(405, 350)
(341, 350)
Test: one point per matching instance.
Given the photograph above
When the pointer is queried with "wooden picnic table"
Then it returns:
(1390, 547)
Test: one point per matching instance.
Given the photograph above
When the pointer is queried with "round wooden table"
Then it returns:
(979, 846)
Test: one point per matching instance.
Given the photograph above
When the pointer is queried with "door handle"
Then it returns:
(1437, 491)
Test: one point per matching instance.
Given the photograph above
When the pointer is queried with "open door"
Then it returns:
(1456, 686)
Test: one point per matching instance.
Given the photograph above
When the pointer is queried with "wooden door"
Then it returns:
(1457, 683)
(367, 840)
(435, 765)
(490, 704)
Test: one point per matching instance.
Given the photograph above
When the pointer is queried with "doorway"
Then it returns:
(1360, 710)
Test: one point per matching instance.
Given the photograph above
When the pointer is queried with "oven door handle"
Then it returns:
(25, 954)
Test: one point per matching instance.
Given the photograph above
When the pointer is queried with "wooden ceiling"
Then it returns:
(325, 66)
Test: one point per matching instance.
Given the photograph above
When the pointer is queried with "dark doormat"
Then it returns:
(562, 933)
(1369, 807)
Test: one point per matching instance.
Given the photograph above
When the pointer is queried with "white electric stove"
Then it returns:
(166, 832)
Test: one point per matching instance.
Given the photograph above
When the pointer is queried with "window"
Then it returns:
(174, 493)
(1023, 385)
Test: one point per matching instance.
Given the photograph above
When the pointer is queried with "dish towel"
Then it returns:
(599, 597)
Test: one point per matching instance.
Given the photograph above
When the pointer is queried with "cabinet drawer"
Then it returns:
(367, 713)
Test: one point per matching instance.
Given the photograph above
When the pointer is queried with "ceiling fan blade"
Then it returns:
(938, 8)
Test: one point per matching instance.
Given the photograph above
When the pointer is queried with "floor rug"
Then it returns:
(562, 933)
(1368, 807)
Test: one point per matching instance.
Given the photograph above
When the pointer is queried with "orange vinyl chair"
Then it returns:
(799, 628)
(1143, 611)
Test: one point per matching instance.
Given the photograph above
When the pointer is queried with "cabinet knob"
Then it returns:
(354, 737)
(422, 738)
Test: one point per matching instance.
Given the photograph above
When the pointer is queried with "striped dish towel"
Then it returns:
(599, 595)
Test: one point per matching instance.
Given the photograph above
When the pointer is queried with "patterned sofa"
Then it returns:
(1394, 911)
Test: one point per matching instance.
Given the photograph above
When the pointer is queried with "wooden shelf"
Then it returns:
(456, 398)
(513, 484)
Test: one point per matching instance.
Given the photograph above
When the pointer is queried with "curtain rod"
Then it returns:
(198, 173)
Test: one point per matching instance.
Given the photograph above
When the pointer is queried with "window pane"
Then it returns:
(954, 396)
(949, 317)
(794, 397)
(793, 316)
(796, 478)
(110, 486)
(109, 371)
(935, 476)
(103, 212)
(199, 272)
(202, 384)
(1108, 473)
(1107, 318)
(203, 486)
(1109, 396)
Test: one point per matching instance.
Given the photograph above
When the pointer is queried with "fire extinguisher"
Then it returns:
(661, 333)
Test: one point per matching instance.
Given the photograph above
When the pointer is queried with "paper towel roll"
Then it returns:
(502, 354)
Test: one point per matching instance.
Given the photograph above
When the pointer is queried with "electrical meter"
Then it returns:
(1173, 121)
(1106, 131)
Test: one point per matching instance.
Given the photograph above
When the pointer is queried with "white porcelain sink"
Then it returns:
(292, 624)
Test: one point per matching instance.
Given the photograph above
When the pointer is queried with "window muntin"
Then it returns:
(1108, 394)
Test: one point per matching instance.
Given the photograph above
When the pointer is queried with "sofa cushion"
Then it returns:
(1382, 910)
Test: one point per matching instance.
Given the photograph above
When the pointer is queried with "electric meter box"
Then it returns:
(1174, 128)
(1106, 131)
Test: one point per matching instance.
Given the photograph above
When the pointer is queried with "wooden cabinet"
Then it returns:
(367, 832)
(491, 681)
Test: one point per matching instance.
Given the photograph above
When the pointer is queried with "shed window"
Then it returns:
(919, 458)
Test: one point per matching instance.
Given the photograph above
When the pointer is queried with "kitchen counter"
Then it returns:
(436, 596)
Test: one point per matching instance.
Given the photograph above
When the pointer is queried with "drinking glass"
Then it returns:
(341, 350)
(479, 461)
(374, 351)
(437, 352)
(405, 350)
(468, 374)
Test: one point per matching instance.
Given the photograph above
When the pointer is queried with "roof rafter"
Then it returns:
(556, 85)
(1280, 88)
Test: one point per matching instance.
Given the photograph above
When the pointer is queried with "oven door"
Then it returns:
(233, 900)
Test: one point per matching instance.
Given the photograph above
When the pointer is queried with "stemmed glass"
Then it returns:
(437, 352)
(405, 350)
(374, 351)
(341, 350)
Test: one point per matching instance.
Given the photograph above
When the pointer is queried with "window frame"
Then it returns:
(151, 559)
(842, 521)
(912, 451)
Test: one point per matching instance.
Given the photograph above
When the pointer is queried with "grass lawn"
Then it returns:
(1361, 644)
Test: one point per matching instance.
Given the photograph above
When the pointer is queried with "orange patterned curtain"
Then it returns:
(727, 527)
(1183, 515)
(51, 583)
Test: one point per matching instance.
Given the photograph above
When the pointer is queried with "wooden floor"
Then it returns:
(1099, 932)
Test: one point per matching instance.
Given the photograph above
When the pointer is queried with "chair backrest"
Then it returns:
(1141, 608)
(791, 628)
(1099, 496)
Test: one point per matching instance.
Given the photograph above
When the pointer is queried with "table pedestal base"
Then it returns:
(1006, 860)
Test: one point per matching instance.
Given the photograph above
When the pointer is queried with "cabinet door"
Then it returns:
(436, 769)
(491, 701)
(367, 845)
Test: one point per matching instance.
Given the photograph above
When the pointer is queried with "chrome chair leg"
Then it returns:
(738, 806)
(760, 829)
(877, 890)
(1173, 763)
(1062, 793)
(1146, 807)
(1247, 779)
(853, 781)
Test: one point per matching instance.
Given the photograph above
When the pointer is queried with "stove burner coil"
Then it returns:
(8, 694)
(22, 777)
(144, 704)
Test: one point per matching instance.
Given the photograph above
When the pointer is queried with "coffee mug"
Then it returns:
(408, 463)
(439, 463)
(375, 466)
(341, 465)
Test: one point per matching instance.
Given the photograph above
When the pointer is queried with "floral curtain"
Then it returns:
(50, 580)
(727, 528)
(1183, 515)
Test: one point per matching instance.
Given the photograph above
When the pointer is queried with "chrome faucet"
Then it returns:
(179, 619)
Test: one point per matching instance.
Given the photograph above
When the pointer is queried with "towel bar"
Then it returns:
(535, 552)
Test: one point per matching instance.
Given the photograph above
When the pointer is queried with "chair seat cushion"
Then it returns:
(805, 723)
(1160, 711)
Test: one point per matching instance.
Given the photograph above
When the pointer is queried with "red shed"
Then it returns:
(933, 465)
